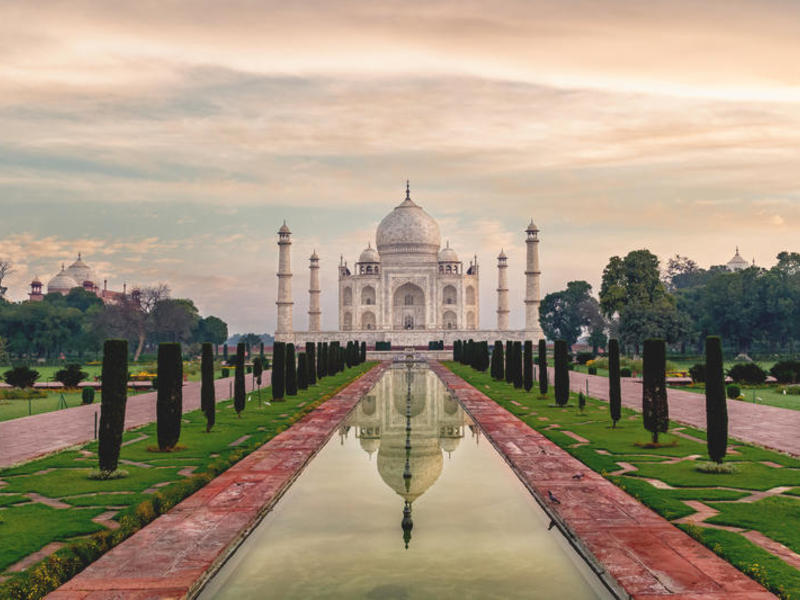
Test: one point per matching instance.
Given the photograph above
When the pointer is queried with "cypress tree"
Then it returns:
(331, 360)
(302, 371)
(716, 403)
(311, 362)
(169, 402)
(562, 372)
(509, 361)
(497, 361)
(278, 370)
(239, 394)
(323, 360)
(581, 401)
(291, 371)
(258, 369)
(363, 357)
(207, 394)
(614, 389)
(112, 403)
(225, 352)
(517, 377)
(527, 371)
(457, 351)
(261, 351)
(654, 388)
(483, 356)
(542, 367)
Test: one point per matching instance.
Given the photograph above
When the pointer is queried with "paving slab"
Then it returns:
(646, 556)
(172, 556)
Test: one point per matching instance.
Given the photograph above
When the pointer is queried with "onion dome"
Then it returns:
(36, 281)
(61, 283)
(369, 255)
(532, 226)
(284, 228)
(370, 445)
(737, 263)
(80, 271)
(502, 255)
(447, 254)
(408, 230)
(449, 444)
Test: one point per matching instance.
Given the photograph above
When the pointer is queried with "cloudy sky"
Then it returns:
(167, 141)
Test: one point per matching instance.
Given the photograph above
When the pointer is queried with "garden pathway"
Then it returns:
(27, 438)
(768, 426)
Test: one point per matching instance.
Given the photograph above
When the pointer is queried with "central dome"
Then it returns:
(408, 230)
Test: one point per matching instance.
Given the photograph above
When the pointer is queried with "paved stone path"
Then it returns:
(645, 554)
(27, 438)
(170, 557)
(767, 426)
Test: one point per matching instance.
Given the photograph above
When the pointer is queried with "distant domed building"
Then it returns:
(77, 275)
(737, 263)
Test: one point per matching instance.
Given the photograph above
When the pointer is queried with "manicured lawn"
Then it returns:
(16, 408)
(775, 517)
(63, 476)
(757, 395)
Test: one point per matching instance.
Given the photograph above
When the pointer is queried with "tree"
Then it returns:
(561, 357)
(311, 361)
(21, 377)
(81, 299)
(6, 269)
(457, 351)
(655, 410)
(302, 371)
(509, 372)
(207, 393)
(258, 369)
(614, 388)
(497, 371)
(565, 314)
(716, 403)
(169, 401)
(517, 375)
(278, 370)
(251, 339)
(291, 371)
(212, 329)
(483, 356)
(71, 375)
(174, 320)
(322, 354)
(239, 390)
(527, 374)
(542, 367)
(363, 357)
(112, 404)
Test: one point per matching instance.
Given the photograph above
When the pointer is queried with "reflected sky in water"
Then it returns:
(344, 529)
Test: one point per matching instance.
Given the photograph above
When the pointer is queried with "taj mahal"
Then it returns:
(408, 289)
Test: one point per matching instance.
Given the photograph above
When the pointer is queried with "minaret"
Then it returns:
(313, 294)
(284, 281)
(502, 291)
(532, 275)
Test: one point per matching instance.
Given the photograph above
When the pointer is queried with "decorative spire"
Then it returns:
(79, 255)
(408, 190)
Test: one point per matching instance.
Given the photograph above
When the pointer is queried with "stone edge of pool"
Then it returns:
(624, 542)
(174, 556)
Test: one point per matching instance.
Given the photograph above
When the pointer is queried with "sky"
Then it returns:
(168, 141)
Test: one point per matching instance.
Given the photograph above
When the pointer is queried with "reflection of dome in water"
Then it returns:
(368, 406)
(450, 405)
(417, 404)
(370, 445)
(425, 462)
(449, 444)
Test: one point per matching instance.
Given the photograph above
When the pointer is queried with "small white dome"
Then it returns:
(369, 255)
(408, 229)
(80, 271)
(737, 263)
(61, 283)
(447, 254)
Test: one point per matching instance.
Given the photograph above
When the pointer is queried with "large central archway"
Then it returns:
(408, 307)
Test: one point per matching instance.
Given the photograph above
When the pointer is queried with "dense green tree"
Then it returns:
(239, 390)
(211, 329)
(112, 403)
(169, 401)
(614, 388)
(302, 371)
(363, 356)
(561, 380)
(498, 367)
(716, 403)
(311, 362)
(527, 366)
(291, 371)
(278, 370)
(208, 402)
(258, 369)
(517, 378)
(564, 314)
(542, 367)
(655, 410)
(509, 371)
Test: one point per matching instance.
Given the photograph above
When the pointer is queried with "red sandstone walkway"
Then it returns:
(26, 438)
(650, 558)
(767, 426)
(170, 557)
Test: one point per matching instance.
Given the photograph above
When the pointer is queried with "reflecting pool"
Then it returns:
(408, 501)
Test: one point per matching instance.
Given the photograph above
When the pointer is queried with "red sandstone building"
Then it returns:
(77, 275)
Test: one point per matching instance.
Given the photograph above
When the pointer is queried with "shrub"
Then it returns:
(291, 371)
(581, 401)
(655, 410)
(733, 391)
(169, 402)
(592, 370)
(614, 390)
(542, 362)
(625, 372)
(716, 405)
(698, 372)
(226, 372)
(21, 377)
(716, 468)
(793, 390)
(748, 372)
(71, 375)
(258, 370)
(561, 372)
(207, 393)
(87, 395)
(497, 370)
(239, 393)
(786, 371)
(112, 403)
(583, 357)
(527, 366)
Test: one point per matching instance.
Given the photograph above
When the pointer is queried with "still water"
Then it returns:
(407, 501)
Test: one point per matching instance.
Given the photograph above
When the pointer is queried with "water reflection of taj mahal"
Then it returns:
(409, 432)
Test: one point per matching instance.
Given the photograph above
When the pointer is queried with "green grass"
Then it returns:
(764, 394)
(63, 475)
(5, 500)
(774, 519)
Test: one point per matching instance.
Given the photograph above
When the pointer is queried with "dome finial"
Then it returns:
(408, 190)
